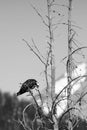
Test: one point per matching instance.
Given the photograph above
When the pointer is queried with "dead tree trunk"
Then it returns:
(51, 48)
(69, 61)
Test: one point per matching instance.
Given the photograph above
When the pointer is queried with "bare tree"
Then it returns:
(41, 119)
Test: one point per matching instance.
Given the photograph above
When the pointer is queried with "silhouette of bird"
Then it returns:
(28, 84)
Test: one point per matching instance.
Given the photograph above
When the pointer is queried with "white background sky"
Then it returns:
(17, 21)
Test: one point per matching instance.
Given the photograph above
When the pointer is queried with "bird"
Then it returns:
(29, 84)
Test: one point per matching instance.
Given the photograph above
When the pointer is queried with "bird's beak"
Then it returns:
(37, 85)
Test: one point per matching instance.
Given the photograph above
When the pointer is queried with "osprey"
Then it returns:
(28, 84)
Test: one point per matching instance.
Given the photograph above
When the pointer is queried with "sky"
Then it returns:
(19, 21)
(78, 88)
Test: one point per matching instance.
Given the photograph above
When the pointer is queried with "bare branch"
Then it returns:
(67, 25)
(33, 98)
(78, 49)
(20, 122)
(57, 103)
(59, 5)
(77, 78)
(24, 120)
(39, 15)
(40, 96)
(37, 49)
(33, 51)
(72, 108)
(79, 100)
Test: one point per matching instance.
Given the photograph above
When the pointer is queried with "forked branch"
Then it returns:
(33, 51)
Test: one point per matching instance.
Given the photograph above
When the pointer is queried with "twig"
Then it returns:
(57, 103)
(33, 51)
(40, 96)
(21, 123)
(33, 98)
(67, 25)
(39, 15)
(60, 5)
(77, 78)
(80, 98)
(37, 49)
(80, 48)
(24, 113)
(73, 108)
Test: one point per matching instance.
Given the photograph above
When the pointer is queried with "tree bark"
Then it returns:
(69, 61)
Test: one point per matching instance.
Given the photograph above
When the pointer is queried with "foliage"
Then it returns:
(11, 110)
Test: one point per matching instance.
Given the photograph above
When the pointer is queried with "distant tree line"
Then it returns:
(11, 112)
